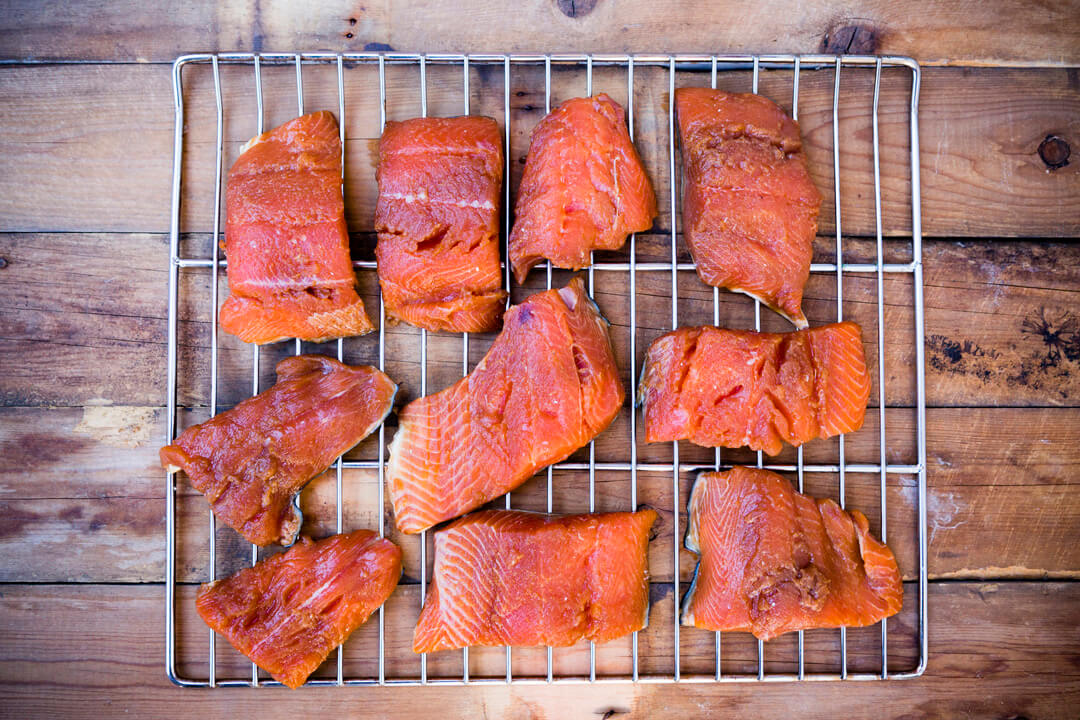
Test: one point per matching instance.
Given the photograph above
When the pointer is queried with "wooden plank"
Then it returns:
(84, 496)
(1006, 650)
(983, 175)
(998, 319)
(995, 33)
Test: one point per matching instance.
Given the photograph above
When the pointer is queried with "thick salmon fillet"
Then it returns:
(251, 460)
(505, 577)
(288, 612)
(290, 274)
(730, 388)
(547, 386)
(774, 560)
(438, 222)
(749, 206)
(583, 189)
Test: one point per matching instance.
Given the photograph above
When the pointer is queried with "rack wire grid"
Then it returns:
(659, 476)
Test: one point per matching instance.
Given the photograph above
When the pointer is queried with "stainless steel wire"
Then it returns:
(672, 64)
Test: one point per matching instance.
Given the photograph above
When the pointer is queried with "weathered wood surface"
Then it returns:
(980, 163)
(990, 642)
(1008, 32)
(1000, 322)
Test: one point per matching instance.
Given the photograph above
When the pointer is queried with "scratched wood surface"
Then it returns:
(85, 178)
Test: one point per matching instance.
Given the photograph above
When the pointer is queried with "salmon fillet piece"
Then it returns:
(505, 577)
(583, 189)
(774, 560)
(547, 386)
(438, 222)
(749, 206)
(288, 612)
(252, 460)
(730, 388)
(290, 274)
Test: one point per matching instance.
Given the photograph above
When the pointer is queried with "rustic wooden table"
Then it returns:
(86, 127)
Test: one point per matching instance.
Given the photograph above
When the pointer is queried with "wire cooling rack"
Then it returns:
(671, 653)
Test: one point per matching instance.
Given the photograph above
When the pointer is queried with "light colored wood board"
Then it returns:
(998, 319)
(934, 32)
(998, 650)
(88, 505)
(982, 175)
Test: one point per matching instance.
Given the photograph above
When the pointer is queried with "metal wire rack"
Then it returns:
(630, 467)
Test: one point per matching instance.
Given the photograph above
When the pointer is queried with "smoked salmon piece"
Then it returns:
(252, 460)
(774, 560)
(290, 274)
(547, 386)
(505, 577)
(730, 388)
(438, 222)
(288, 612)
(583, 189)
(749, 206)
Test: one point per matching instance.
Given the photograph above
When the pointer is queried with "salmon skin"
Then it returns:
(774, 560)
(583, 189)
(749, 206)
(438, 222)
(251, 461)
(730, 388)
(290, 274)
(506, 577)
(288, 612)
(547, 386)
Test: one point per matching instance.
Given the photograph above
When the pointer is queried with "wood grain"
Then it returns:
(999, 322)
(84, 497)
(979, 167)
(935, 32)
(987, 641)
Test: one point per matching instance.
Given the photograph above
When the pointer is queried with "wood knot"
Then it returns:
(851, 39)
(1055, 152)
(3, 263)
(576, 8)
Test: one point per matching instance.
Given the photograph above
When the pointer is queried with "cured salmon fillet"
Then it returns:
(252, 460)
(584, 187)
(547, 386)
(749, 206)
(774, 560)
(438, 222)
(730, 388)
(289, 611)
(290, 274)
(505, 577)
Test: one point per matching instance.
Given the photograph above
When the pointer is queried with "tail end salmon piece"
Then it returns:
(288, 612)
(584, 188)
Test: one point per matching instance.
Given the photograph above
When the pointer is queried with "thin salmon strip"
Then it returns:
(290, 274)
(252, 460)
(438, 222)
(505, 577)
(288, 612)
(749, 206)
(774, 560)
(584, 187)
(735, 388)
(547, 386)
